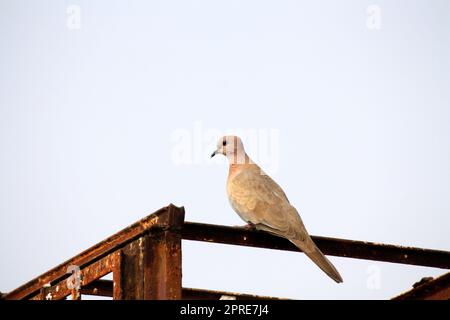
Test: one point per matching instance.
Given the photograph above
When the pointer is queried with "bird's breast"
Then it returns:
(237, 197)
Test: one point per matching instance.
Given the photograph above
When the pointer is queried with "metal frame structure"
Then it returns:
(145, 261)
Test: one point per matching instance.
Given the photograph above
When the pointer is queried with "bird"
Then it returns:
(263, 204)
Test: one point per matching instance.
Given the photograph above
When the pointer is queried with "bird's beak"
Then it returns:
(214, 153)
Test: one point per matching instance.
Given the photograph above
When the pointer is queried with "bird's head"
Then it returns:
(232, 148)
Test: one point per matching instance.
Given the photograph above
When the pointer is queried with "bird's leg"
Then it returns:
(250, 226)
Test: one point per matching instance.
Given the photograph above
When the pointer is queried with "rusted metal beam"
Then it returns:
(150, 267)
(162, 261)
(201, 294)
(87, 275)
(156, 221)
(436, 289)
(330, 246)
(129, 285)
(118, 286)
(105, 288)
(147, 258)
(162, 271)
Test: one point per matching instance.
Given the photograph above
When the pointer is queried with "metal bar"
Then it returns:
(42, 294)
(154, 270)
(436, 289)
(89, 274)
(131, 274)
(117, 285)
(104, 288)
(201, 294)
(75, 294)
(150, 267)
(162, 261)
(154, 221)
(330, 246)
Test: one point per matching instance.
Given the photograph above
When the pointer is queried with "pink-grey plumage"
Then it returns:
(261, 202)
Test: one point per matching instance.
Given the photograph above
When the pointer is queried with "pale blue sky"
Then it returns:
(87, 118)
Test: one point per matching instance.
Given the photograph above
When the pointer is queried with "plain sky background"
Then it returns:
(87, 119)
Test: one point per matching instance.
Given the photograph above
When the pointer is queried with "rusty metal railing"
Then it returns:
(145, 262)
(329, 246)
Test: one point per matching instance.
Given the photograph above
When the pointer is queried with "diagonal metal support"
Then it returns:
(165, 225)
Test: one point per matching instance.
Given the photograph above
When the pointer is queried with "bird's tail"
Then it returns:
(321, 261)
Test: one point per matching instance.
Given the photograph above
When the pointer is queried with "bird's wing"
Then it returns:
(257, 196)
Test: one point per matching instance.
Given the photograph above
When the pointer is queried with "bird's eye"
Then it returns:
(224, 143)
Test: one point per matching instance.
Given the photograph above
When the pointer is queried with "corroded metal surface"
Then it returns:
(331, 246)
(63, 288)
(436, 289)
(145, 261)
(105, 288)
(159, 220)
(150, 267)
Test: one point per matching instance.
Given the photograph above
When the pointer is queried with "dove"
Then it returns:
(263, 205)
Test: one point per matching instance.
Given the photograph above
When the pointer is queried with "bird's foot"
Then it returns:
(250, 226)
